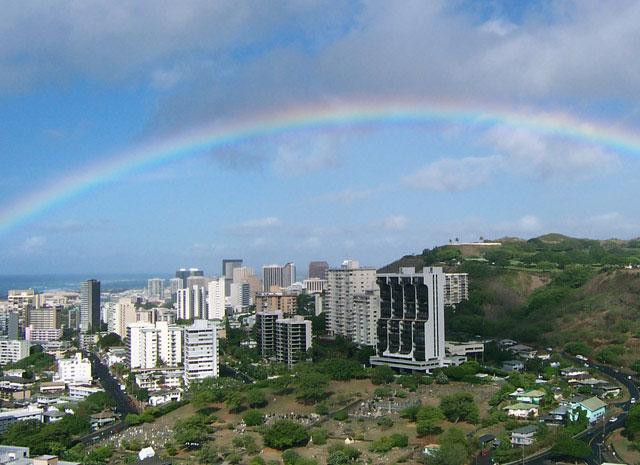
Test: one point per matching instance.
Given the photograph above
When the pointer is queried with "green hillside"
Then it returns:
(553, 290)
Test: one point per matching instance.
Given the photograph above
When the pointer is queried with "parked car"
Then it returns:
(633, 400)
(581, 357)
(613, 419)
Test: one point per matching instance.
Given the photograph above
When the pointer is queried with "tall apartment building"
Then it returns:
(12, 351)
(366, 312)
(200, 350)
(155, 288)
(192, 303)
(174, 285)
(240, 297)
(43, 318)
(456, 288)
(318, 270)
(278, 276)
(151, 345)
(245, 274)
(292, 339)
(276, 301)
(343, 284)
(410, 330)
(90, 306)
(266, 332)
(22, 298)
(121, 314)
(216, 299)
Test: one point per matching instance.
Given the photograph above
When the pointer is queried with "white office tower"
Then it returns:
(343, 284)
(288, 274)
(456, 288)
(245, 274)
(366, 312)
(271, 276)
(240, 296)
(74, 370)
(266, 332)
(216, 299)
(410, 329)
(11, 351)
(314, 285)
(293, 339)
(169, 343)
(142, 345)
(175, 284)
(155, 288)
(124, 313)
(192, 303)
(200, 351)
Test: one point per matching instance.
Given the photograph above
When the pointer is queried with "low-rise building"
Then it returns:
(528, 397)
(464, 349)
(12, 351)
(593, 407)
(164, 397)
(80, 392)
(521, 410)
(512, 365)
(524, 436)
(74, 370)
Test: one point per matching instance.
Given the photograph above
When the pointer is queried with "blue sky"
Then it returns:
(81, 82)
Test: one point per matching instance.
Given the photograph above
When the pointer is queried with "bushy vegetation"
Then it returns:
(284, 434)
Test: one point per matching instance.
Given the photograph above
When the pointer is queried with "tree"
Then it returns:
(192, 431)
(428, 420)
(341, 369)
(382, 374)
(453, 449)
(633, 421)
(256, 398)
(566, 446)
(253, 418)
(284, 434)
(110, 340)
(459, 406)
(319, 436)
(311, 387)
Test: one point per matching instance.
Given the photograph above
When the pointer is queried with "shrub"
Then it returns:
(382, 374)
(385, 422)
(341, 415)
(253, 418)
(284, 434)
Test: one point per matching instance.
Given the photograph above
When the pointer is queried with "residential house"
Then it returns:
(593, 407)
(528, 397)
(521, 410)
(523, 351)
(557, 416)
(512, 365)
(524, 436)
(164, 397)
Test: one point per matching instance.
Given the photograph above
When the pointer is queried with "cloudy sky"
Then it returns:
(82, 82)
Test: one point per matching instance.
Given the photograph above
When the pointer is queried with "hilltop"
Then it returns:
(579, 294)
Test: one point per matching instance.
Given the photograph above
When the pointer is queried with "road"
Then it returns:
(594, 437)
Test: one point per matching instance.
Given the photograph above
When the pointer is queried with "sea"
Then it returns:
(71, 282)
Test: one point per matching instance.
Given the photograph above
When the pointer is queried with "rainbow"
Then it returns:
(315, 117)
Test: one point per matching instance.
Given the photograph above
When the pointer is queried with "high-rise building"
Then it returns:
(9, 325)
(314, 285)
(366, 312)
(278, 276)
(228, 267)
(216, 299)
(90, 306)
(11, 351)
(201, 281)
(456, 288)
(276, 301)
(174, 285)
(184, 273)
(122, 313)
(343, 284)
(410, 330)
(155, 288)
(240, 296)
(43, 318)
(151, 345)
(169, 343)
(245, 274)
(192, 303)
(266, 332)
(318, 270)
(200, 351)
(293, 339)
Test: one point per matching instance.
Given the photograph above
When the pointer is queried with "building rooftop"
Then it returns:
(593, 404)
(526, 429)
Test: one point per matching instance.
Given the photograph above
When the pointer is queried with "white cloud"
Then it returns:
(450, 174)
(259, 223)
(33, 244)
(394, 222)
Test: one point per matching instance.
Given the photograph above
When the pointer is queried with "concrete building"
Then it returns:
(192, 303)
(456, 288)
(277, 276)
(9, 324)
(292, 339)
(216, 299)
(314, 285)
(276, 301)
(410, 329)
(42, 335)
(169, 343)
(151, 345)
(122, 314)
(184, 273)
(174, 285)
(200, 350)
(266, 332)
(228, 267)
(22, 298)
(43, 318)
(318, 270)
(155, 288)
(12, 350)
(366, 312)
(342, 285)
(245, 274)
(90, 306)
(74, 370)
(240, 297)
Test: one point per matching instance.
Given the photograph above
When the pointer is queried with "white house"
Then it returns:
(521, 410)
(523, 436)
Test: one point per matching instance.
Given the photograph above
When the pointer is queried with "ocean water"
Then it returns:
(71, 282)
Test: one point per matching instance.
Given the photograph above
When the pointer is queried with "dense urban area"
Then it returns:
(505, 351)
